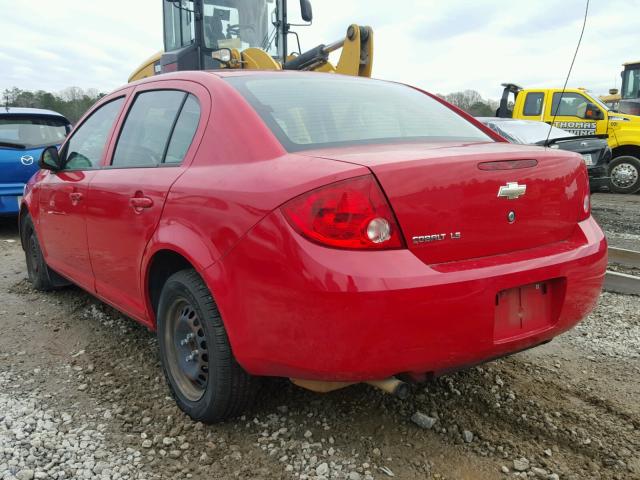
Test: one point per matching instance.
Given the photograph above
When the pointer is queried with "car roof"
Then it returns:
(269, 73)
(202, 75)
(30, 111)
(205, 77)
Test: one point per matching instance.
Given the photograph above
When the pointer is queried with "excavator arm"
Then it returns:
(356, 57)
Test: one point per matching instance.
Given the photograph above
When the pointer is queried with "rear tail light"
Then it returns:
(351, 214)
(585, 204)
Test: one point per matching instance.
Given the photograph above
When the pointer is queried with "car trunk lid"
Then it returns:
(446, 196)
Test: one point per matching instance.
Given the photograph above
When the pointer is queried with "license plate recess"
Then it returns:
(524, 310)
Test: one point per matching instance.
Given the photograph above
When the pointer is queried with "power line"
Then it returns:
(555, 112)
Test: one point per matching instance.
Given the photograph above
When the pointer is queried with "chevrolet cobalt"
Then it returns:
(327, 229)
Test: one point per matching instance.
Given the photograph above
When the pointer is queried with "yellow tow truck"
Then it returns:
(577, 111)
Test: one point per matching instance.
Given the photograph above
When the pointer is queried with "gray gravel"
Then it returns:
(612, 329)
(38, 442)
(82, 396)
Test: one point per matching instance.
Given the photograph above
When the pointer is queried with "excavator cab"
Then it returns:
(630, 93)
(202, 34)
(253, 34)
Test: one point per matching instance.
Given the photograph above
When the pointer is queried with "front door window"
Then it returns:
(85, 148)
(569, 104)
(574, 106)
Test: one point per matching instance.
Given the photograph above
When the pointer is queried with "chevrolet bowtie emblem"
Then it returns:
(512, 190)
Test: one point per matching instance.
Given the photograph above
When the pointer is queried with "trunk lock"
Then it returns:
(511, 216)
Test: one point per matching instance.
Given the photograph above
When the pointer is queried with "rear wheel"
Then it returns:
(625, 174)
(39, 274)
(203, 375)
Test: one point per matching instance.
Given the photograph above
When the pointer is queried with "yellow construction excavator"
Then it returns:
(251, 34)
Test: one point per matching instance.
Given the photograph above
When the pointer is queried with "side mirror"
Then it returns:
(50, 159)
(305, 10)
(592, 112)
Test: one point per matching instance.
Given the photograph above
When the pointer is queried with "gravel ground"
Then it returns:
(82, 396)
(619, 217)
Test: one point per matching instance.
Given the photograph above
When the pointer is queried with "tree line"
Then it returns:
(472, 102)
(71, 102)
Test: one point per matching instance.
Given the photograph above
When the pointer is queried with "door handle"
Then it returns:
(75, 197)
(139, 203)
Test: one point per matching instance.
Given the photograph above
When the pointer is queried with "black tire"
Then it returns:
(211, 386)
(625, 174)
(39, 274)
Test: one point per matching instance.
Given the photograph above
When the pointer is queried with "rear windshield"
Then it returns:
(29, 131)
(306, 113)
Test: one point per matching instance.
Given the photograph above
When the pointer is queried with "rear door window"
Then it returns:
(184, 130)
(147, 129)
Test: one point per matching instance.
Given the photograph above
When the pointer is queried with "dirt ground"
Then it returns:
(82, 396)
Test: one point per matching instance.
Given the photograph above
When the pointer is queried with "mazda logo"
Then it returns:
(26, 160)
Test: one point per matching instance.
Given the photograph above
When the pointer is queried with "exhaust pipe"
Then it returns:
(390, 385)
(393, 386)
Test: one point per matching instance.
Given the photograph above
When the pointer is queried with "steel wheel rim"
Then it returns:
(624, 175)
(187, 353)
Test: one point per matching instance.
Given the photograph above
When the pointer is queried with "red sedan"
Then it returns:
(324, 228)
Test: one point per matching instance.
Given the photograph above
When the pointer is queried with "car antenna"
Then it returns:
(555, 113)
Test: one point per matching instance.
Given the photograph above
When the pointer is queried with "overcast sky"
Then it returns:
(441, 46)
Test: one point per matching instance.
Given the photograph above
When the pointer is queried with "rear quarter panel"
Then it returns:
(239, 174)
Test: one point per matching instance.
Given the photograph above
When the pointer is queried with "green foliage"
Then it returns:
(481, 109)
(71, 102)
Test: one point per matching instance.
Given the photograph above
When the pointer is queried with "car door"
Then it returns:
(569, 108)
(126, 197)
(62, 199)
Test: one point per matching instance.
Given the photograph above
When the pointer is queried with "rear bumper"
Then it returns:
(9, 193)
(296, 309)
